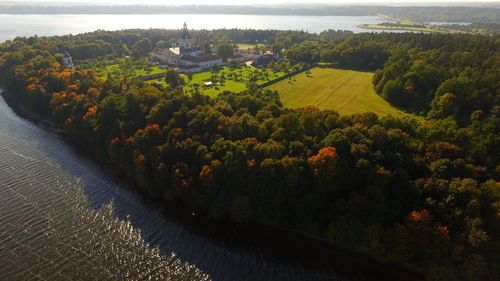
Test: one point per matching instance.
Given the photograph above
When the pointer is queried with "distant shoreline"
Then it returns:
(453, 14)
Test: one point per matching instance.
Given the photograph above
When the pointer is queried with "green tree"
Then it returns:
(207, 48)
(162, 44)
(142, 47)
(173, 78)
(225, 50)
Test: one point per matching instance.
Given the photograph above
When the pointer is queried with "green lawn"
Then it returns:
(128, 67)
(345, 91)
(227, 79)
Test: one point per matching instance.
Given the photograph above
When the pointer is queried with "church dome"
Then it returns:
(185, 34)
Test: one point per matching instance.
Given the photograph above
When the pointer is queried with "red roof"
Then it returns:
(203, 58)
(189, 66)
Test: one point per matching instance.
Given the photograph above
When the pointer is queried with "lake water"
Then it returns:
(45, 25)
(63, 218)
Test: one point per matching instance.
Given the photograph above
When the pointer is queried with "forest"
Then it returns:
(421, 192)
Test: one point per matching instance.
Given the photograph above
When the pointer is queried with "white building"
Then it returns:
(187, 55)
(186, 41)
(168, 56)
(68, 61)
(205, 61)
(193, 64)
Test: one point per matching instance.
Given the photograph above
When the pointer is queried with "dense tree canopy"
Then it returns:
(225, 50)
(173, 78)
(142, 47)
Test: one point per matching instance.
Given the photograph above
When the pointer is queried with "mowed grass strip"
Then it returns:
(345, 91)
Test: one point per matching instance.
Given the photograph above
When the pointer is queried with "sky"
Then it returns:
(247, 2)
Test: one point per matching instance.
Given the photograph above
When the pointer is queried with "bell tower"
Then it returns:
(186, 42)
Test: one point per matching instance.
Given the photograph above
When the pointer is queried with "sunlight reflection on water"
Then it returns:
(46, 25)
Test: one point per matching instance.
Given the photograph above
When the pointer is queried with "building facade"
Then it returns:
(68, 61)
(168, 56)
(187, 56)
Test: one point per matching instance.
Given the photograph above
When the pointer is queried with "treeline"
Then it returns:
(141, 42)
(449, 76)
(438, 75)
(421, 193)
(341, 48)
(487, 28)
(446, 14)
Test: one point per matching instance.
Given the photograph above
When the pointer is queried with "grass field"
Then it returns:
(345, 91)
(128, 67)
(235, 80)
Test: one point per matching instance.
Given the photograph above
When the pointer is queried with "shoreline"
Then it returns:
(406, 26)
(398, 28)
(288, 244)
